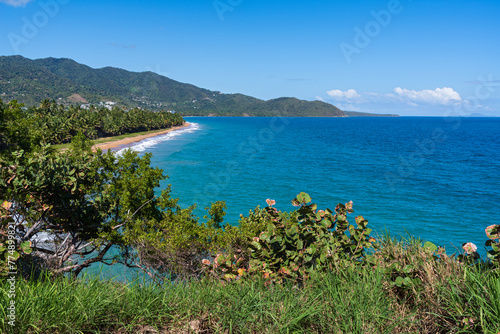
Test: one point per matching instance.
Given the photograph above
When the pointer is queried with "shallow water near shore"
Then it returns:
(430, 177)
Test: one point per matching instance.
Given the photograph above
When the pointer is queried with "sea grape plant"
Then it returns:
(493, 234)
(316, 240)
(470, 254)
(226, 266)
(290, 245)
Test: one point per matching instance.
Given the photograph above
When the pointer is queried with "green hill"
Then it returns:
(66, 81)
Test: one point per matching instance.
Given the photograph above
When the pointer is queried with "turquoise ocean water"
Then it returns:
(434, 178)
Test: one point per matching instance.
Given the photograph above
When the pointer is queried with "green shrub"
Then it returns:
(290, 246)
(493, 234)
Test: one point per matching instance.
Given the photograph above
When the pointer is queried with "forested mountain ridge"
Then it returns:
(66, 81)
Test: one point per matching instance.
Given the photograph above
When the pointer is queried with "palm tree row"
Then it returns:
(56, 124)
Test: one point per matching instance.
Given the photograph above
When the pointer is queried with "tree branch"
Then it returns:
(32, 229)
(43, 250)
(79, 267)
(62, 244)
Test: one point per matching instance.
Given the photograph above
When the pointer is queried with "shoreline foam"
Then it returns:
(121, 143)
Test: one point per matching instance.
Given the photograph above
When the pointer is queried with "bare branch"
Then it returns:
(62, 244)
(84, 246)
(79, 267)
(43, 250)
(33, 228)
(66, 255)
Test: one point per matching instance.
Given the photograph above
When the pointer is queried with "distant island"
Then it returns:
(70, 83)
(365, 114)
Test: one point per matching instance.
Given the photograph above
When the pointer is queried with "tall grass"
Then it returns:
(351, 302)
(475, 306)
(452, 298)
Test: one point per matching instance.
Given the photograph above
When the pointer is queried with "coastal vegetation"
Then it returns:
(30, 81)
(53, 123)
(313, 269)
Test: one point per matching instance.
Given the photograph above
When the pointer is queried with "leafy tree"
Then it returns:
(73, 207)
(17, 129)
(83, 203)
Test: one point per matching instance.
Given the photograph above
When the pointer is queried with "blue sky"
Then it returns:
(409, 57)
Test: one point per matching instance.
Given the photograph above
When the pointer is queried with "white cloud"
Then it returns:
(403, 101)
(15, 3)
(442, 96)
(344, 95)
(319, 98)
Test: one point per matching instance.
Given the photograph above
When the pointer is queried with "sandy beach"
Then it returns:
(111, 144)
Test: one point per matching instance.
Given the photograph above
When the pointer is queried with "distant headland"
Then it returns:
(68, 82)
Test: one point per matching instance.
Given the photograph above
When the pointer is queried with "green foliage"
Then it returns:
(18, 129)
(292, 246)
(402, 261)
(403, 273)
(216, 213)
(52, 123)
(80, 143)
(50, 189)
(228, 261)
(318, 241)
(226, 266)
(170, 246)
(86, 202)
(173, 246)
(493, 234)
(248, 227)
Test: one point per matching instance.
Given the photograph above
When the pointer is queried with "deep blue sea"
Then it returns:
(435, 178)
(430, 177)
